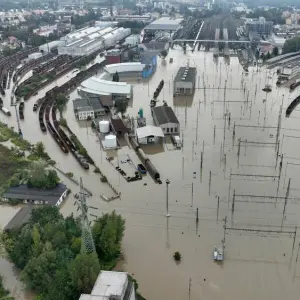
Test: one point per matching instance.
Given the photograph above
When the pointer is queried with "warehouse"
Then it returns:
(91, 39)
(49, 47)
(149, 134)
(125, 70)
(95, 86)
(164, 24)
(185, 81)
(165, 118)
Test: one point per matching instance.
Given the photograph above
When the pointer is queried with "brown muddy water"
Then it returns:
(241, 168)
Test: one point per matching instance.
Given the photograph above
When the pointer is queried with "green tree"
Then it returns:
(275, 51)
(39, 149)
(61, 101)
(268, 56)
(40, 271)
(44, 215)
(84, 271)
(257, 54)
(4, 294)
(291, 45)
(121, 106)
(108, 233)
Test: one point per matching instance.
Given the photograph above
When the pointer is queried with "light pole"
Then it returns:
(167, 197)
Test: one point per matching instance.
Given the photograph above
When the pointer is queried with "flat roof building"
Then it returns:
(185, 81)
(88, 107)
(165, 118)
(164, 24)
(111, 285)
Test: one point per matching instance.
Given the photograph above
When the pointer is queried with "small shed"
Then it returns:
(149, 134)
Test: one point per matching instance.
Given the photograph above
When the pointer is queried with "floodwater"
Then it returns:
(7, 270)
(235, 126)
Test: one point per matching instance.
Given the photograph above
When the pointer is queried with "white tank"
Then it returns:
(104, 126)
(111, 141)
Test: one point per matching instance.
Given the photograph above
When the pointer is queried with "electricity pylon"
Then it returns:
(87, 241)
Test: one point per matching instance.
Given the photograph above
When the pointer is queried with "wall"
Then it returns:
(174, 126)
(182, 84)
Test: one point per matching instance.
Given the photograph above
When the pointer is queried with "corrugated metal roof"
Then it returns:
(124, 67)
(164, 114)
(97, 86)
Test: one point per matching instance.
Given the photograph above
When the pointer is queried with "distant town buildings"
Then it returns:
(260, 26)
(164, 24)
(111, 285)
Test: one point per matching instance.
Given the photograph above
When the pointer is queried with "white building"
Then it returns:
(185, 80)
(149, 134)
(165, 118)
(88, 40)
(290, 71)
(95, 86)
(111, 285)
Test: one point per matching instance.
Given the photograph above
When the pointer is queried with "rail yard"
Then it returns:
(232, 183)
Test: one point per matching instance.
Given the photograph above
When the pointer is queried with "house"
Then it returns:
(185, 80)
(88, 107)
(23, 193)
(149, 134)
(165, 118)
(111, 285)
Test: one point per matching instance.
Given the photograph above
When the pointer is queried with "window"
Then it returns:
(167, 130)
(172, 129)
(175, 129)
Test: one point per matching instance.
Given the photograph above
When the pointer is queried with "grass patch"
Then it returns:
(3, 138)
(21, 143)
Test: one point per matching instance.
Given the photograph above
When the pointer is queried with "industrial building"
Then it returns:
(165, 118)
(260, 26)
(86, 108)
(50, 47)
(164, 24)
(95, 86)
(90, 39)
(185, 81)
(289, 71)
(125, 70)
(149, 134)
(111, 285)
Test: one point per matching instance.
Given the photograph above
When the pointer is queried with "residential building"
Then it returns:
(31, 195)
(165, 118)
(111, 285)
(88, 108)
(260, 25)
(149, 134)
(185, 80)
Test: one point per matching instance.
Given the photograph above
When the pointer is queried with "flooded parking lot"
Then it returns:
(237, 130)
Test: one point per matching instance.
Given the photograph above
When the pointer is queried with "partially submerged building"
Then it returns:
(111, 285)
(165, 118)
(88, 107)
(19, 219)
(54, 196)
(149, 134)
(289, 71)
(185, 81)
(95, 86)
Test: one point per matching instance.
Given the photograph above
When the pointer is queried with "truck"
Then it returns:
(176, 141)
(6, 111)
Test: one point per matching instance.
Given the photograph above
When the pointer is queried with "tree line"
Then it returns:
(48, 251)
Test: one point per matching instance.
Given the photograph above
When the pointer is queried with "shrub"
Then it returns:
(177, 256)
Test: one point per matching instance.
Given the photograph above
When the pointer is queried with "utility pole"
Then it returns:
(167, 197)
